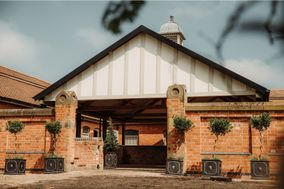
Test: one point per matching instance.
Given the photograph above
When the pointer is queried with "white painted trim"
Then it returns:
(94, 80)
(192, 75)
(210, 79)
(227, 93)
(175, 61)
(79, 86)
(142, 54)
(158, 67)
(126, 61)
(110, 59)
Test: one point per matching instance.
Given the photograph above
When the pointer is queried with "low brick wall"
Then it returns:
(32, 142)
(238, 147)
(142, 155)
(88, 154)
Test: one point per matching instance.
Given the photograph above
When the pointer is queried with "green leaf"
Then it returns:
(220, 127)
(181, 123)
(261, 122)
(110, 143)
(15, 126)
(53, 127)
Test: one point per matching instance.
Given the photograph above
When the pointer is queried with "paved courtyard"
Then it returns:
(123, 178)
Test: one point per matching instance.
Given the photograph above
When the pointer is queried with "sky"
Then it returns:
(48, 40)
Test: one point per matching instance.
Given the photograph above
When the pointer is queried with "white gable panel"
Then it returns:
(150, 54)
(145, 67)
(201, 77)
(219, 81)
(133, 71)
(86, 82)
(183, 70)
(238, 86)
(102, 69)
(72, 85)
(166, 72)
(118, 71)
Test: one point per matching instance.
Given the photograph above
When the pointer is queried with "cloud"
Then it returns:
(94, 37)
(268, 75)
(15, 47)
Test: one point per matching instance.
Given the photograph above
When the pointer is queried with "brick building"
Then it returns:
(142, 81)
(17, 89)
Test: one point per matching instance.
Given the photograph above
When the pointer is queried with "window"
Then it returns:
(96, 133)
(86, 132)
(131, 138)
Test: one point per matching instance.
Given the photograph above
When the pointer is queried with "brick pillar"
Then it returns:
(176, 98)
(65, 111)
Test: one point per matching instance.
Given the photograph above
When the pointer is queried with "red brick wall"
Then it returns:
(89, 154)
(243, 141)
(32, 142)
(149, 134)
(91, 125)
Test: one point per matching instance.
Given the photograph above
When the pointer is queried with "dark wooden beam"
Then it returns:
(123, 134)
(141, 115)
(100, 128)
(147, 120)
(78, 125)
(104, 128)
(143, 107)
(114, 108)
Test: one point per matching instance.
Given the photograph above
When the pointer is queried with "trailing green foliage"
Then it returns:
(15, 126)
(261, 122)
(181, 123)
(110, 143)
(220, 127)
(53, 127)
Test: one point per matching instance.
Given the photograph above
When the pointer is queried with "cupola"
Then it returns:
(172, 31)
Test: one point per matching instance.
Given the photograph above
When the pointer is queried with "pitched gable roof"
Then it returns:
(20, 88)
(262, 91)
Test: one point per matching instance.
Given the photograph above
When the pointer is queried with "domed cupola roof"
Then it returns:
(171, 27)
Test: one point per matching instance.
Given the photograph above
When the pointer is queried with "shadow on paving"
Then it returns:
(122, 182)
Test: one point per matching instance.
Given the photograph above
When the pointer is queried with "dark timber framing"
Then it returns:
(262, 91)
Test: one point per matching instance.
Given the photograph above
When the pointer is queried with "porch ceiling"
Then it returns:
(126, 110)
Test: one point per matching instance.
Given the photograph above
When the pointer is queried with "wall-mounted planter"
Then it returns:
(53, 165)
(174, 167)
(110, 160)
(211, 167)
(15, 166)
(259, 169)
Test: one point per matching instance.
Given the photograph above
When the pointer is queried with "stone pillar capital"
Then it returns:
(66, 98)
(177, 92)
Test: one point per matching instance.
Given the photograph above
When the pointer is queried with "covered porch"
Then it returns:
(140, 126)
